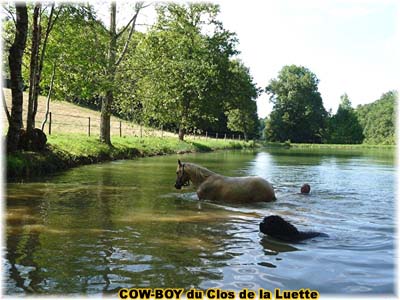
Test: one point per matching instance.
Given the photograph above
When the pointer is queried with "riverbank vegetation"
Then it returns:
(69, 150)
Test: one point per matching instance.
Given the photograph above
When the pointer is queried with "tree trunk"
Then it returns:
(105, 127)
(17, 84)
(34, 65)
(181, 133)
(40, 60)
(107, 100)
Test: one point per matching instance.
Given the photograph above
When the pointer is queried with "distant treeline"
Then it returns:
(378, 119)
(299, 116)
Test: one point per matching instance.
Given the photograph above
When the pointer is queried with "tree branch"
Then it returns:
(56, 17)
(128, 40)
(10, 13)
(127, 25)
(48, 29)
(138, 7)
(49, 96)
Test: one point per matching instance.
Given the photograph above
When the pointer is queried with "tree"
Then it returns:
(241, 108)
(378, 119)
(298, 113)
(17, 85)
(185, 52)
(344, 127)
(87, 71)
(80, 66)
(112, 63)
(38, 51)
(244, 120)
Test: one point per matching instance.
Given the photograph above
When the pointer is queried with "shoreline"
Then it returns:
(64, 152)
(328, 146)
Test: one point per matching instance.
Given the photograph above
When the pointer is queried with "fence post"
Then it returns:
(239, 137)
(162, 131)
(216, 135)
(233, 136)
(89, 126)
(120, 129)
(141, 135)
(49, 123)
(206, 135)
(225, 136)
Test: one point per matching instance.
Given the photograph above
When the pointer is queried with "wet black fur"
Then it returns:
(278, 228)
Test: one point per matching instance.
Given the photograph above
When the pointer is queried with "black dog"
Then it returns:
(278, 228)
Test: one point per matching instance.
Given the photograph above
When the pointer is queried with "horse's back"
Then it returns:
(237, 189)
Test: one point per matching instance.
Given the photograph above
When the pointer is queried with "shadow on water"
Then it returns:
(273, 247)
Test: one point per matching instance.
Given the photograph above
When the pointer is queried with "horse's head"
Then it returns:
(182, 177)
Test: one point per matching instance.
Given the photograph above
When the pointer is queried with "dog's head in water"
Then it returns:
(277, 227)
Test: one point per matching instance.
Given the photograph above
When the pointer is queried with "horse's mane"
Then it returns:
(198, 173)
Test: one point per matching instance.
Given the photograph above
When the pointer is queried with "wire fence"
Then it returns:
(68, 123)
(68, 118)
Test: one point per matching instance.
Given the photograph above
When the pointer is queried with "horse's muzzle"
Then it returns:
(178, 186)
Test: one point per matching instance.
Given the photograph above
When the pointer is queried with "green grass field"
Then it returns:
(81, 145)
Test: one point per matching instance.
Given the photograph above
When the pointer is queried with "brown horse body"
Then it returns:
(215, 187)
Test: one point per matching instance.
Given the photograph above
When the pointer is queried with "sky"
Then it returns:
(350, 45)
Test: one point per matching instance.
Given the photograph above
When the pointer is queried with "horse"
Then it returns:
(216, 187)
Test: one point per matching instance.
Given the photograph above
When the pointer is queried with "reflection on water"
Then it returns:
(95, 229)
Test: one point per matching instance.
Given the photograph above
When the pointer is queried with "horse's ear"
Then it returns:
(179, 162)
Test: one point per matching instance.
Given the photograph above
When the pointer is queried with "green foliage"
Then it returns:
(241, 108)
(77, 45)
(184, 55)
(298, 114)
(261, 127)
(378, 119)
(344, 127)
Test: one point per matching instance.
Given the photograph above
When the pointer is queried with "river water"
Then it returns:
(96, 229)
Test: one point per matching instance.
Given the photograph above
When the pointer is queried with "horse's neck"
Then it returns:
(198, 174)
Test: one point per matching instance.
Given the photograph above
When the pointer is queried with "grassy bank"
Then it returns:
(70, 150)
(329, 146)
